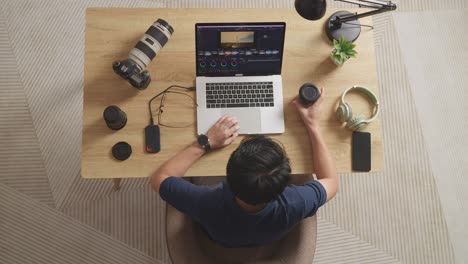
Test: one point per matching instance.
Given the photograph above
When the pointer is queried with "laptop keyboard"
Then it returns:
(239, 94)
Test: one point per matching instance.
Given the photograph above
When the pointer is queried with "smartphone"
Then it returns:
(361, 151)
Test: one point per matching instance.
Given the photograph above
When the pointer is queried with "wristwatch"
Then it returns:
(204, 142)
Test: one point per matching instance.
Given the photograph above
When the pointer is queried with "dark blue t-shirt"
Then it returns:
(215, 209)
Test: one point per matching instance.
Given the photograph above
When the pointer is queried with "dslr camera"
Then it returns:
(133, 68)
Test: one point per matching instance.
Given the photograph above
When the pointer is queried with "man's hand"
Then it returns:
(223, 132)
(310, 115)
(321, 159)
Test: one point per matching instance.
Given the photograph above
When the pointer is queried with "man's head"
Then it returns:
(258, 170)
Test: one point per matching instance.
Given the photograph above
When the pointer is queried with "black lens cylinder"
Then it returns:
(115, 118)
(308, 94)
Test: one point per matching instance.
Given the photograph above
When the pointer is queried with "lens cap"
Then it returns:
(121, 151)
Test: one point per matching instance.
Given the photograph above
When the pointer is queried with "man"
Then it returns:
(256, 205)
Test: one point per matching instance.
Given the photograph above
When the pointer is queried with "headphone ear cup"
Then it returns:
(344, 112)
(357, 123)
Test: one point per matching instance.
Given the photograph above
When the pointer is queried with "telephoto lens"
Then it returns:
(133, 69)
(149, 45)
(308, 94)
(115, 118)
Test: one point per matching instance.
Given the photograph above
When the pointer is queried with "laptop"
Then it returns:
(239, 74)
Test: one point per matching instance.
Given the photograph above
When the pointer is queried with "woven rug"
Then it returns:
(402, 215)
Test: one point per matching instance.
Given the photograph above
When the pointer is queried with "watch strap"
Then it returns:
(206, 146)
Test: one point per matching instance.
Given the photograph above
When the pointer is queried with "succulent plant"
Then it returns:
(343, 50)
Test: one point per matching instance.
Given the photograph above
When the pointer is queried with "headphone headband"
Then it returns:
(370, 95)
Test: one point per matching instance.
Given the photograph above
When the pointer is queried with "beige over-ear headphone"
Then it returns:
(344, 111)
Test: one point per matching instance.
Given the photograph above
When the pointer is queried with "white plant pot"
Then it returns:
(335, 60)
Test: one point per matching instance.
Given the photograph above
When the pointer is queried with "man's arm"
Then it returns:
(323, 163)
(321, 158)
(223, 133)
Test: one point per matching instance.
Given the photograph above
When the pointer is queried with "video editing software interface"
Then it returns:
(247, 49)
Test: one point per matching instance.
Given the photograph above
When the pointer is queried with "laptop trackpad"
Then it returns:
(249, 119)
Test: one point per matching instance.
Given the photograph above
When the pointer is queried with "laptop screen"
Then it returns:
(248, 49)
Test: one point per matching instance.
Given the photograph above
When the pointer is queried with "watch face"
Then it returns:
(202, 140)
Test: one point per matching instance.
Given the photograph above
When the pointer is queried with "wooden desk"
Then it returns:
(110, 35)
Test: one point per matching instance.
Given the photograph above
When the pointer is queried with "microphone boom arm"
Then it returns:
(380, 6)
